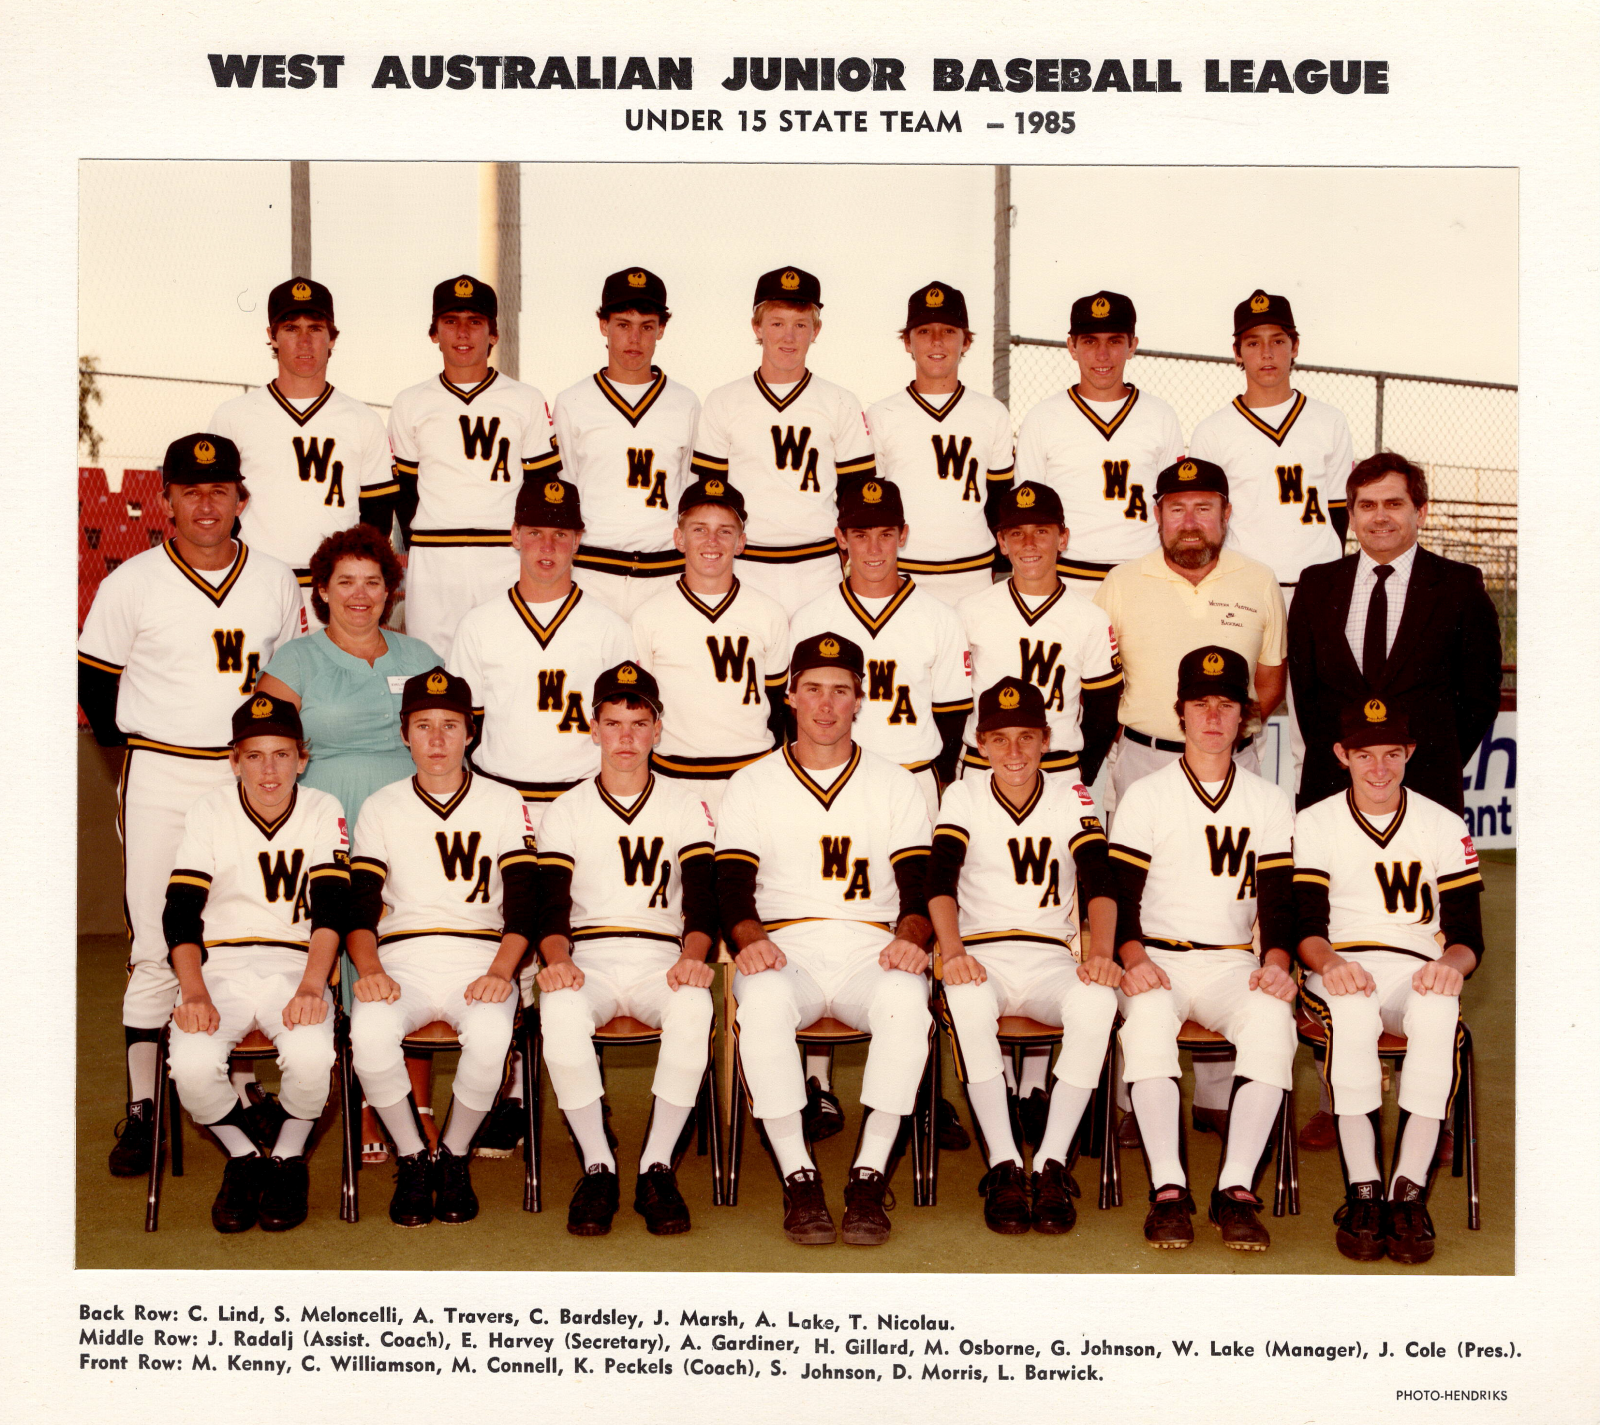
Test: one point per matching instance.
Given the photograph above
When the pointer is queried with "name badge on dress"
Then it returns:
(397, 685)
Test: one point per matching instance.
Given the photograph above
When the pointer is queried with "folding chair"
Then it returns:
(1463, 1109)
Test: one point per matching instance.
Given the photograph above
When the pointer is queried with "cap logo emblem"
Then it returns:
(1375, 711)
(1260, 302)
(715, 488)
(935, 298)
(1009, 697)
(637, 279)
(829, 648)
(790, 282)
(1211, 665)
(872, 493)
(554, 493)
(261, 707)
(1099, 307)
(1188, 471)
(205, 453)
(627, 674)
(1025, 499)
(438, 683)
(463, 287)
(301, 291)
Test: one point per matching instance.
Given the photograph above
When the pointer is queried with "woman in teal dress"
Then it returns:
(346, 679)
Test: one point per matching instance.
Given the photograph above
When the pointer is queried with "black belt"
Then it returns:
(1159, 743)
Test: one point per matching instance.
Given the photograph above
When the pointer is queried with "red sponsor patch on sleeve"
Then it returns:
(1111, 633)
(344, 833)
(1083, 794)
(966, 660)
(1470, 849)
(305, 623)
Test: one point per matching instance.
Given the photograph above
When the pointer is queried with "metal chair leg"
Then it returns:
(918, 1143)
(349, 1123)
(736, 1128)
(532, 1185)
(1281, 1131)
(1105, 1111)
(935, 1098)
(1469, 1131)
(1113, 1144)
(719, 1177)
(158, 1131)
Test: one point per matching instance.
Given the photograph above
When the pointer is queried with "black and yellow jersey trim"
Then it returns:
(825, 795)
(529, 791)
(558, 859)
(1032, 616)
(1382, 838)
(964, 706)
(287, 407)
(626, 813)
(1082, 568)
(632, 414)
(1062, 761)
(734, 855)
(540, 466)
(789, 553)
(1084, 837)
(896, 857)
(371, 865)
(1106, 428)
(1211, 803)
(949, 566)
(1278, 436)
(1311, 876)
(638, 564)
(303, 576)
(1342, 945)
(1106, 680)
(815, 919)
(115, 669)
(954, 832)
(173, 749)
(1030, 937)
(696, 848)
(299, 945)
(1020, 814)
(781, 403)
(937, 412)
(405, 467)
(704, 769)
(619, 932)
(222, 590)
(861, 468)
(493, 936)
(873, 625)
(378, 492)
(444, 810)
(460, 539)
(1159, 942)
(519, 856)
(1455, 880)
(711, 614)
(543, 632)
(1274, 860)
(187, 876)
(1129, 854)
(702, 465)
(317, 873)
(267, 828)
(467, 397)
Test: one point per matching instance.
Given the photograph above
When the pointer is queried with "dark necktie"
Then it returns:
(1375, 646)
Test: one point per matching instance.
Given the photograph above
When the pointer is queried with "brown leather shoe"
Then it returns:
(1167, 1223)
(1408, 1231)
(1320, 1133)
(1210, 1120)
(1237, 1212)
(1006, 1205)
(806, 1219)
(1360, 1223)
(866, 1224)
(1128, 1132)
(1053, 1191)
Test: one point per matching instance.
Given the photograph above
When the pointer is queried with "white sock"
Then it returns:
(1250, 1119)
(788, 1139)
(819, 1066)
(515, 1090)
(1067, 1103)
(665, 1127)
(1413, 1158)
(398, 1118)
(1359, 1146)
(1155, 1105)
(235, 1140)
(462, 1124)
(292, 1137)
(142, 1070)
(589, 1128)
(241, 1079)
(994, 1118)
(877, 1140)
(1035, 1066)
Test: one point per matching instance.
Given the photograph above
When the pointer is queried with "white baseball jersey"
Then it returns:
(917, 665)
(824, 844)
(441, 862)
(715, 664)
(470, 452)
(258, 874)
(532, 669)
(630, 464)
(1203, 850)
(1287, 466)
(188, 643)
(1102, 458)
(1018, 880)
(943, 458)
(625, 860)
(1059, 642)
(1384, 873)
(307, 470)
(786, 456)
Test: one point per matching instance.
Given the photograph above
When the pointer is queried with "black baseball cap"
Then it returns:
(1011, 703)
(1214, 671)
(870, 504)
(264, 716)
(827, 650)
(713, 490)
(1373, 724)
(1261, 309)
(297, 295)
(1185, 477)
(1029, 503)
(635, 289)
(465, 294)
(201, 459)
(626, 680)
(788, 284)
(551, 505)
(1102, 312)
(436, 689)
(937, 302)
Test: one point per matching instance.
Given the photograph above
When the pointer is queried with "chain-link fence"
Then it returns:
(1462, 433)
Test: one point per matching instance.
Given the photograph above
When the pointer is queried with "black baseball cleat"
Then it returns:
(1408, 1229)
(238, 1200)
(130, 1157)
(806, 1219)
(502, 1134)
(264, 1116)
(594, 1203)
(1006, 1208)
(285, 1185)
(953, 1138)
(1167, 1223)
(412, 1203)
(1236, 1213)
(1032, 1114)
(821, 1117)
(656, 1199)
(1360, 1222)
(451, 1179)
(866, 1194)
(1053, 1191)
